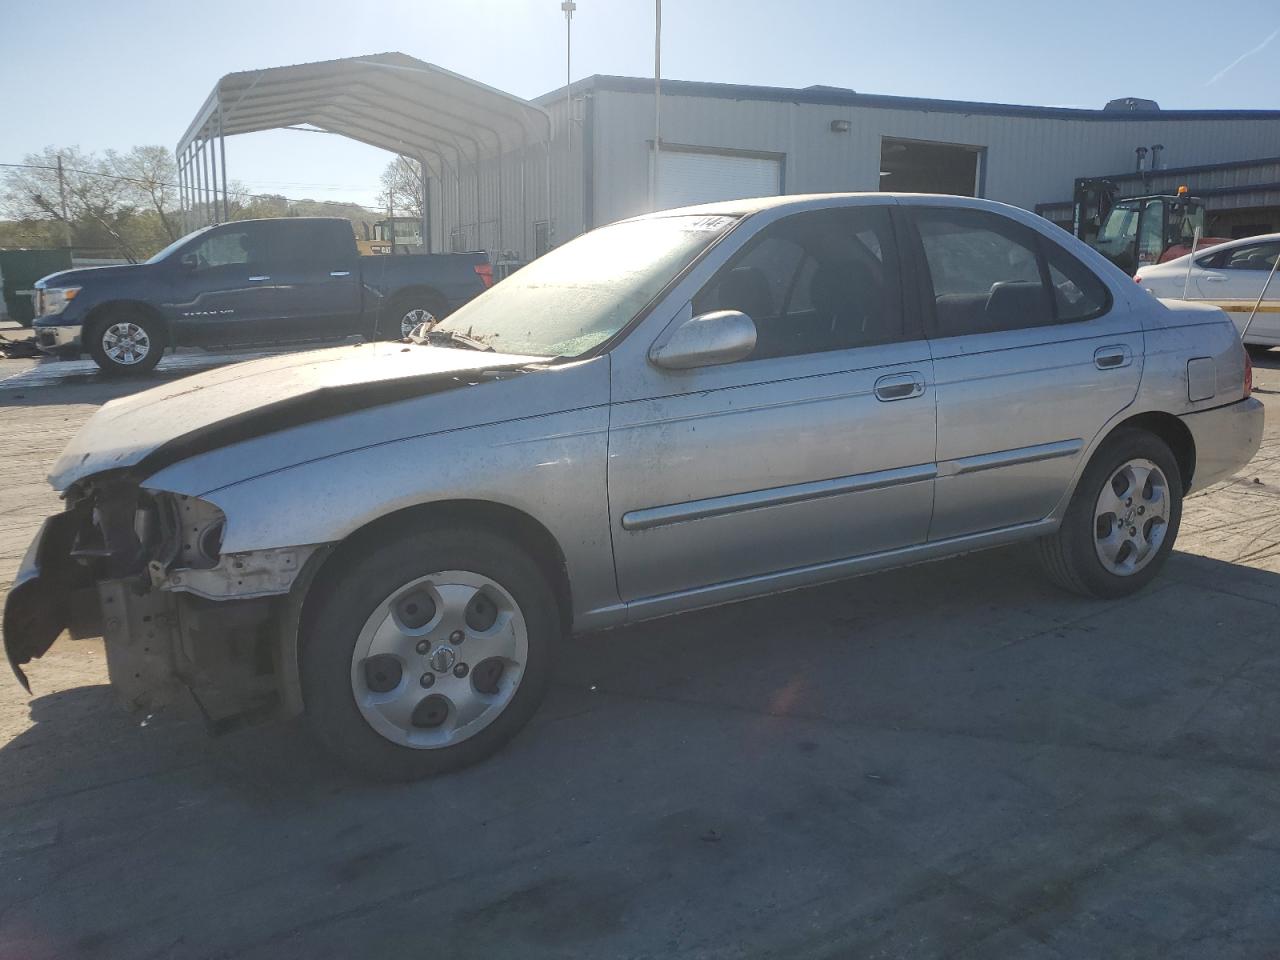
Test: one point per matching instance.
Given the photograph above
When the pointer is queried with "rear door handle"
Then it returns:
(899, 386)
(1213, 277)
(1112, 357)
(339, 273)
(258, 279)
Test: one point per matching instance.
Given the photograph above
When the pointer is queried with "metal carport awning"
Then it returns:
(445, 121)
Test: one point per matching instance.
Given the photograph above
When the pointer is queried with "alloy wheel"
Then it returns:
(126, 343)
(439, 659)
(415, 317)
(1131, 517)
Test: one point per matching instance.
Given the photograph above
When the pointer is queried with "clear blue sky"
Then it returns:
(113, 73)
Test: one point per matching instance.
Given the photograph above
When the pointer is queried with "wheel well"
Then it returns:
(498, 518)
(103, 309)
(1174, 433)
(426, 293)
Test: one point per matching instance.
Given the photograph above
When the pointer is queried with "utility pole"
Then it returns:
(657, 96)
(62, 202)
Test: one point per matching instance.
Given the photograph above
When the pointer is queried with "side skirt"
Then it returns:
(796, 578)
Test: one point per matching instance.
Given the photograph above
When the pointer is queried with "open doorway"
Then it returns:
(919, 166)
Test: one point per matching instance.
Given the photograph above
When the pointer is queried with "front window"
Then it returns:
(579, 295)
(1121, 224)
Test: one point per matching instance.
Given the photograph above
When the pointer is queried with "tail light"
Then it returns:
(485, 272)
(1248, 375)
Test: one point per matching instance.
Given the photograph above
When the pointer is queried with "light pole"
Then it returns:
(657, 95)
(568, 6)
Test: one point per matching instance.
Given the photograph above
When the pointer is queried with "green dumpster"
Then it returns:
(19, 270)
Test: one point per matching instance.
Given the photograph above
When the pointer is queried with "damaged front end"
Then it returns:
(144, 570)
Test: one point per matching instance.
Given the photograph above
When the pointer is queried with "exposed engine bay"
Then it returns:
(144, 570)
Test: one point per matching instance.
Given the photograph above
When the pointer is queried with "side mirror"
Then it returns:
(722, 336)
(188, 261)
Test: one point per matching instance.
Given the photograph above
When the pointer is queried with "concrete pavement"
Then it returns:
(954, 760)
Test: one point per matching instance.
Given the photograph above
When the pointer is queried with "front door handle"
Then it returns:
(258, 279)
(1213, 277)
(339, 273)
(1113, 357)
(899, 386)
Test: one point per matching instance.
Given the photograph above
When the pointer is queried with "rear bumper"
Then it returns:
(1226, 438)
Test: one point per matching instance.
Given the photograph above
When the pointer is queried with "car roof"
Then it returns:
(805, 201)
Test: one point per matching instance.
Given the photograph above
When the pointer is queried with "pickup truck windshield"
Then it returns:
(578, 295)
(176, 244)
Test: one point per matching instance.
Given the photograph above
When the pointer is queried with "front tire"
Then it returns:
(126, 343)
(1123, 519)
(429, 653)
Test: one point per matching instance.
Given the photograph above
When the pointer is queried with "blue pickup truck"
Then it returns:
(246, 282)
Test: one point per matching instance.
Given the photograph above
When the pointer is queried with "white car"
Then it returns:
(1230, 276)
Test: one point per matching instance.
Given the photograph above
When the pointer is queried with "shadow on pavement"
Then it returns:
(951, 760)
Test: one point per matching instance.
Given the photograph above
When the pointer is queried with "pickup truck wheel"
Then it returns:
(126, 343)
(404, 313)
(429, 654)
(1122, 520)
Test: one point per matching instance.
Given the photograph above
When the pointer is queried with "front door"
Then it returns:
(1031, 360)
(220, 287)
(817, 447)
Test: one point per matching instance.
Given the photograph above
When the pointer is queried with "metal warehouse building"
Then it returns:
(514, 177)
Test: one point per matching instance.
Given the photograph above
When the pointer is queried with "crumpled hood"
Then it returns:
(236, 402)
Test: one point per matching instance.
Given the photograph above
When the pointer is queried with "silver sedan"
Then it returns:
(678, 410)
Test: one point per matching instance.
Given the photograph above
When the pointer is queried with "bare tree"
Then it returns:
(149, 180)
(402, 187)
(72, 187)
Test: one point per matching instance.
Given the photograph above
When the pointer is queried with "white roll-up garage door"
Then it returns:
(685, 177)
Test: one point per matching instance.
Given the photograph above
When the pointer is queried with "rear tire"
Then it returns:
(401, 696)
(1131, 484)
(405, 312)
(126, 342)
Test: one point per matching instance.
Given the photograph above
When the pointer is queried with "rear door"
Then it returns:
(221, 289)
(316, 274)
(1031, 359)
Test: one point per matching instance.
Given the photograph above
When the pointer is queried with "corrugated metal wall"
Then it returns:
(1028, 160)
(501, 220)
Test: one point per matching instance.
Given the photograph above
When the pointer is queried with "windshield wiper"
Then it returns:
(451, 338)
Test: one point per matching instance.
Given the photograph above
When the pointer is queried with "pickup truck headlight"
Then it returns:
(53, 300)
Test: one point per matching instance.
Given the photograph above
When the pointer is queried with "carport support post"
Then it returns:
(197, 198)
(222, 163)
(426, 204)
(205, 152)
